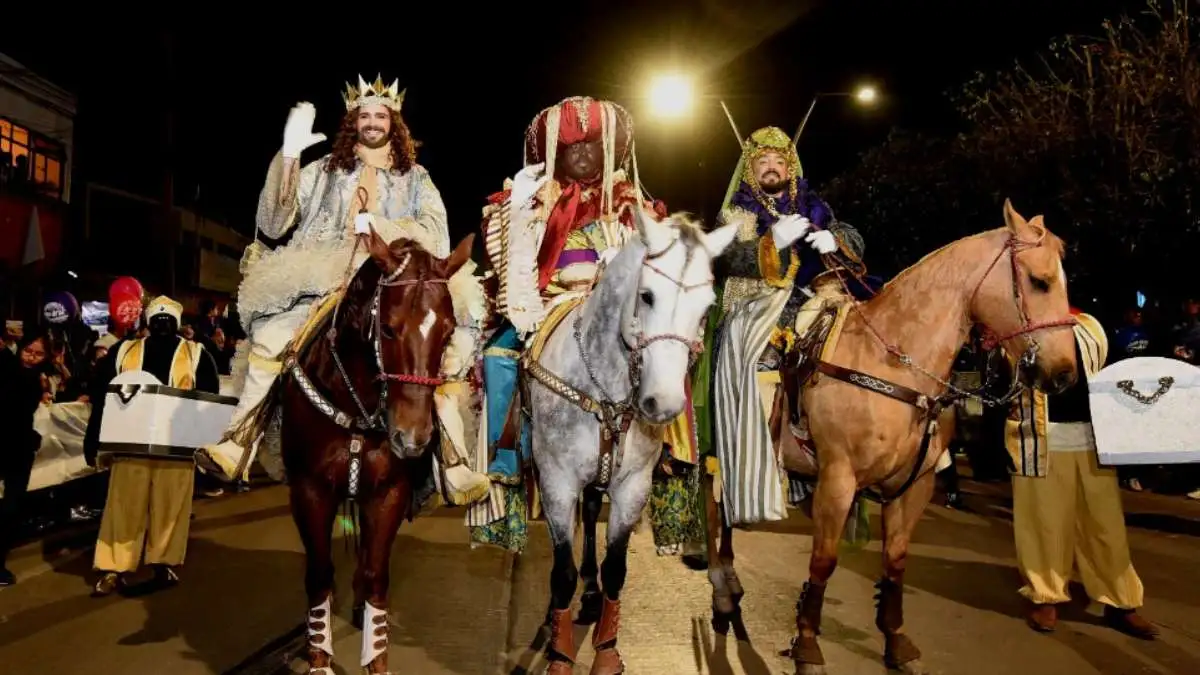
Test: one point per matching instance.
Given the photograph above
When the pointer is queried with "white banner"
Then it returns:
(60, 458)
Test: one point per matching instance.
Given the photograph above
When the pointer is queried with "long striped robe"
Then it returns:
(751, 482)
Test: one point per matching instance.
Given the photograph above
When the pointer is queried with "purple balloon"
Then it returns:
(60, 307)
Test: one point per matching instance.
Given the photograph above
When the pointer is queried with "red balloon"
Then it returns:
(126, 286)
(125, 301)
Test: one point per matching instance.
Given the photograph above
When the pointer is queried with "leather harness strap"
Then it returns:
(614, 421)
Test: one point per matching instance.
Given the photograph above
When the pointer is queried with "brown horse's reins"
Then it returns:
(614, 416)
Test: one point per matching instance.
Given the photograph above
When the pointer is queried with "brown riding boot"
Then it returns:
(561, 650)
(604, 640)
(1129, 622)
(1043, 618)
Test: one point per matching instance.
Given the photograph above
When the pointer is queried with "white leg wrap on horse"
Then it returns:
(320, 628)
(374, 633)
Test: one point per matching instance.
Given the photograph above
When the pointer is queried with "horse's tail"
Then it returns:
(352, 524)
(857, 531)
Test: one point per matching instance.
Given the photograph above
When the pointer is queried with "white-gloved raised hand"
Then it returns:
(298, 133)
(788, 229)
(822, 241)
(608, 254)
(526, 184)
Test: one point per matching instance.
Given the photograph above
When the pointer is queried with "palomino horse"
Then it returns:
(371, 376)
(873, 409)
(599, 394)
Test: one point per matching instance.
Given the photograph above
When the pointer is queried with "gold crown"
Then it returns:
(374, 94)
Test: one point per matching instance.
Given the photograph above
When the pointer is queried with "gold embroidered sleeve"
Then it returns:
(285, 194)
(431, 215)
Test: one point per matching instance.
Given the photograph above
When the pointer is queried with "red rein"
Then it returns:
(413, 379)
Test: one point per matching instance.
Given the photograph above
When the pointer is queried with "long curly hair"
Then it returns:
(404, 148)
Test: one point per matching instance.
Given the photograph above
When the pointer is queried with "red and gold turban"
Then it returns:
(579, 119)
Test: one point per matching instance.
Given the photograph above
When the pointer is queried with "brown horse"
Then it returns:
(873, 409)
(357, 410)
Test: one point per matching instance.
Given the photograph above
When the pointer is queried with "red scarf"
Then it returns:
(570, 213)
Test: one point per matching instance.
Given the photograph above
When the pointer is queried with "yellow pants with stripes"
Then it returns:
(1071, 520)
(149, 507)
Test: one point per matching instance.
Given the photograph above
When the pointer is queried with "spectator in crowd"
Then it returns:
(1186, 333)
(20, 396)
(1133, 338)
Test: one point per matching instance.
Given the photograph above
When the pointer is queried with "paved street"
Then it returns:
(466, 612)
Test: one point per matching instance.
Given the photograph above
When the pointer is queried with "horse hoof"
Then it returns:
(721, 623)
(589, 608)
(914, 667)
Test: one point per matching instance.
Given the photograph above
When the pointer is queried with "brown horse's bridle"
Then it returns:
(365, 421)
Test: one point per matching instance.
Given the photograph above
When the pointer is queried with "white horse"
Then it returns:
(599, 395)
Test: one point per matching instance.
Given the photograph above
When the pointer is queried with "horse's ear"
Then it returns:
(718, 240)
(654, 234)
(378, 248)
(1014, 221)
(460, 255)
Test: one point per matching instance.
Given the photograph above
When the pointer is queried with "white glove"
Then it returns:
(788, 229)
(298, 133)
(526, 184)
(823, 241)
(608, 254)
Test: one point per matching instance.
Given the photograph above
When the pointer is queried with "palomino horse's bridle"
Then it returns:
(1012, 246)
(615, 415)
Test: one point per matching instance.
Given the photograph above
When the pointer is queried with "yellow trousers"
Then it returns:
(1072, 519)
(149, 506)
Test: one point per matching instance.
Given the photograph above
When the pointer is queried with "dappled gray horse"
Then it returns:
(599, 394)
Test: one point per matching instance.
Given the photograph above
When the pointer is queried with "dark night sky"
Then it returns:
(474, 85)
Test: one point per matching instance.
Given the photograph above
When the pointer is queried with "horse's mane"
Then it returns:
(690, 228)
(930, 258)
(939, 263)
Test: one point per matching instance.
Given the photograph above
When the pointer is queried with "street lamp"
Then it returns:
(670, 95)
(865, 95)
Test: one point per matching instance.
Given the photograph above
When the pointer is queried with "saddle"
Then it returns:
(800, 364)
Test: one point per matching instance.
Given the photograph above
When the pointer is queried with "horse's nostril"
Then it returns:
(650, 405)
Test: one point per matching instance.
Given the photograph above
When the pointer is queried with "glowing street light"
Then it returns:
(865, 95)
(670, 96)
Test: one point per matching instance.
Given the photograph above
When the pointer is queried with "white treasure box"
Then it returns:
(1144, 411)
(143, 417)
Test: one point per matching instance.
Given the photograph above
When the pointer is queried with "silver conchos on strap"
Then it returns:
(1144, 412)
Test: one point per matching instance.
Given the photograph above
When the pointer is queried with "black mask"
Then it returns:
(163, 326)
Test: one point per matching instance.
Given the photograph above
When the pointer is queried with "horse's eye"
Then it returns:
(1041, 285)
(648, 298)
(387, 332)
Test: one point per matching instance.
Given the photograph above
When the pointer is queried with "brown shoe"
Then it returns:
(1128, 621)
(1043, 618)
